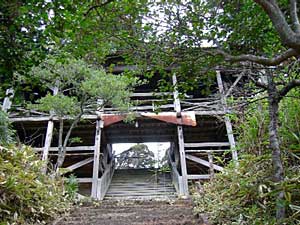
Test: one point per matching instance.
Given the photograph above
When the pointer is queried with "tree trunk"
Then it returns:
(62, 149)
(273, 100)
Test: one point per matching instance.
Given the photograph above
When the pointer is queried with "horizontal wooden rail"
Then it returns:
(69, 149)
(206, 150)
(206, 144)
(203, 162)
(198, 176)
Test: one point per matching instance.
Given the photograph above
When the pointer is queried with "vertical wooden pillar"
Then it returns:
(226, 118)
(7, 100)
(177, 108)
(49, 135)
(95, 189)
(47, 144)
(184, 186)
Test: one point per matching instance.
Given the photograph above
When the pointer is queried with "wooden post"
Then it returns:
(7, 100)
(49, 134)
(226, 118)
(47, 144)
(177, 108)
(185, 190)
(211, 166)
(95, 190)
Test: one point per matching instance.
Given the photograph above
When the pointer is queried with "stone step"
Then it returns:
(110, 212)
(140, 184)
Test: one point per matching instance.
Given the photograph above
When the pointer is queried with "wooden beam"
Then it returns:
(46, 118)
(84, 180)
(198, 177)
(68, 149)
(48, 140)
(79, 164)
(203, 162)
(206, 150)
(226, 118)
(49, 134)
(209, 112)
(7, 100)
(185, 190)
(206, 144)
(233, 85)
(99, 126)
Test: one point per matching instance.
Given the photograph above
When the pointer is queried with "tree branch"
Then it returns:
(97, 6)
(257, 59)
(286, 34)
(294, 16)
(292, 84)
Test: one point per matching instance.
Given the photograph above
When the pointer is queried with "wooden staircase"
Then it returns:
(140, 184)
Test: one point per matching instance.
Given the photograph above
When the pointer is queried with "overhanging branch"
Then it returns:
(98, 6)
(292, 84)
(256, 59)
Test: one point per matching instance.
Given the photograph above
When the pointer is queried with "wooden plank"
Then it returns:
(68, 149)
(206, 144)
(84, 180)
(206, 150)
(79, 164)
(198, 177)
(99, 126)
(226, 118)
(203, 162)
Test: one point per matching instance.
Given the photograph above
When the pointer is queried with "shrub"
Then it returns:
(27, 195)
(247, 194)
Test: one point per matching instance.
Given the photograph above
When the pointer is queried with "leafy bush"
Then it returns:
(6, 133)
(247, 194)
(27, 195)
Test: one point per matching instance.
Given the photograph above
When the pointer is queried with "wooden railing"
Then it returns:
(143, 102)
(176, 177)
(105, 180)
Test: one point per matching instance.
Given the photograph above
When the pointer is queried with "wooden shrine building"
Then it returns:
(197, 127)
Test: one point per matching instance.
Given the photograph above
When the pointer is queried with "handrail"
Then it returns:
(176, 177)
(105, 180)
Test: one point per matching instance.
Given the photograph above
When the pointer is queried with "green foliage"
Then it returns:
(6, 131)
(248, 194)
(27, 195)
(71, 186)
(60, 104)
(80, 86)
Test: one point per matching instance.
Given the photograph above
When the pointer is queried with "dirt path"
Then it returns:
(133, 213)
